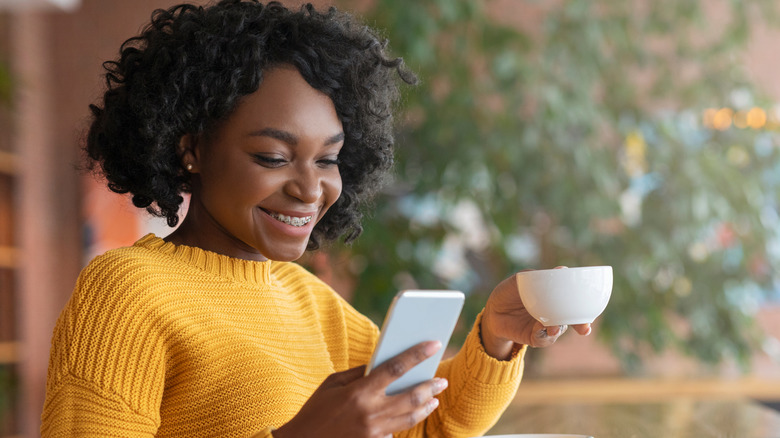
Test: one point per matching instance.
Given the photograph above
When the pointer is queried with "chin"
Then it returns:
(285, 256)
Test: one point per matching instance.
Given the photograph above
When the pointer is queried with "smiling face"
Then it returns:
(267, 174)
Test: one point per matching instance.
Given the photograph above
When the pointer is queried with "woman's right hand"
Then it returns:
(347, 404)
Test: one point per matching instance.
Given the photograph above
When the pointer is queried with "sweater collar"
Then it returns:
(218, 264)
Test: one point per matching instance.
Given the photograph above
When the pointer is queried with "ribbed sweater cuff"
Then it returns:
(487, 369)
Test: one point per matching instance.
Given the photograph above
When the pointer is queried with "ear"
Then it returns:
(188, 153)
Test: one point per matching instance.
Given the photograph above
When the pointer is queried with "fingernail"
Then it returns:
(440, 384)
(432, 347)
(432, 404)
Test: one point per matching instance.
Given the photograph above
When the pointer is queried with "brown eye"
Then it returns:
(329, 162)
(267, 161)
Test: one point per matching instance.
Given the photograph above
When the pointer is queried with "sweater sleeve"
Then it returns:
(76, 407)
(480, 389)
(106, 367)
(362, 337)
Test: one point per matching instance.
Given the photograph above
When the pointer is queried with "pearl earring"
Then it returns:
(189, 167)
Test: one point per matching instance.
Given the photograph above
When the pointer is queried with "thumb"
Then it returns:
(344, 377)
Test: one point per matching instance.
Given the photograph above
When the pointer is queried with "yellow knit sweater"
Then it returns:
(165, 340)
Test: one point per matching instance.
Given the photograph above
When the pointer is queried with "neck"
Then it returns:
(200, 230)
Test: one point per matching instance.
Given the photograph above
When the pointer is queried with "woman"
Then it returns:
(278, 124)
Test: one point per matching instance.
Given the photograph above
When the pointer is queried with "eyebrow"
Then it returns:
(290, 138)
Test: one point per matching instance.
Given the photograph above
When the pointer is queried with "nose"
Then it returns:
(305, 185)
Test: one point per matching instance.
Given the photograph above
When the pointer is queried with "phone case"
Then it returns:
(416, 316)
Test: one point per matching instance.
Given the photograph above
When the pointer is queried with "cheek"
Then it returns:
(332, 187)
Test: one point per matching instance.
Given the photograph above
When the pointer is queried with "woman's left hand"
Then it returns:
(505, 322)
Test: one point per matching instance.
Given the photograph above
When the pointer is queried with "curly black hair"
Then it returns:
(191, 66)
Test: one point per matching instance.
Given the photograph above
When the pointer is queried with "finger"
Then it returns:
(408, 420)
(397, 366)
(542, 337)
(344, 377)
(583, 329)
(417, 396)
(556, 330)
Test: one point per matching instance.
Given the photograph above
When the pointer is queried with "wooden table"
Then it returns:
(680, 418)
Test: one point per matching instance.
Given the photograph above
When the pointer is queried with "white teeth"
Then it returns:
(291, 220)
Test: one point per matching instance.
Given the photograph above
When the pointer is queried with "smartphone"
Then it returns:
(417, 316)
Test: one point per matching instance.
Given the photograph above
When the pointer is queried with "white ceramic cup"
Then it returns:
(566, 295)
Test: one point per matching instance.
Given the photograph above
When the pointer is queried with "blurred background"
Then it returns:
(638, 134)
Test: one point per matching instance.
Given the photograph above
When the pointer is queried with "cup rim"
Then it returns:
(565, 269)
